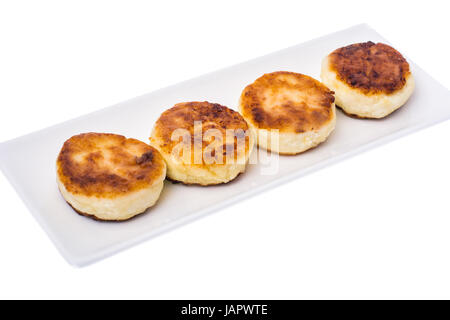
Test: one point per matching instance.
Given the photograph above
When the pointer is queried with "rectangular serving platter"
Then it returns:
(83, 241)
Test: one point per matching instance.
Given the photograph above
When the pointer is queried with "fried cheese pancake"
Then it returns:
(370, 80)
(109, 177)
(289, 112)
(202, 143)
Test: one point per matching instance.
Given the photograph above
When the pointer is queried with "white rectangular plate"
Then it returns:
(29, 161)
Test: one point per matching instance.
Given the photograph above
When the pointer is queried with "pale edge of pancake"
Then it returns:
(118, 208)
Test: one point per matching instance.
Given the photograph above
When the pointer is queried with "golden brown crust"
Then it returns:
(212, 116)
(371, 68)
(107, 165)
(287, 101)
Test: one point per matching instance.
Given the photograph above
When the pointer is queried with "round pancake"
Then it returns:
(109, 177)
(202, 143)
(290, 112)
(370, 80)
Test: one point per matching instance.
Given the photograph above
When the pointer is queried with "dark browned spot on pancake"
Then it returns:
(146, 158)
(370, 67)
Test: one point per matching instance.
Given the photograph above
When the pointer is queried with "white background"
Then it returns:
(374, 226)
